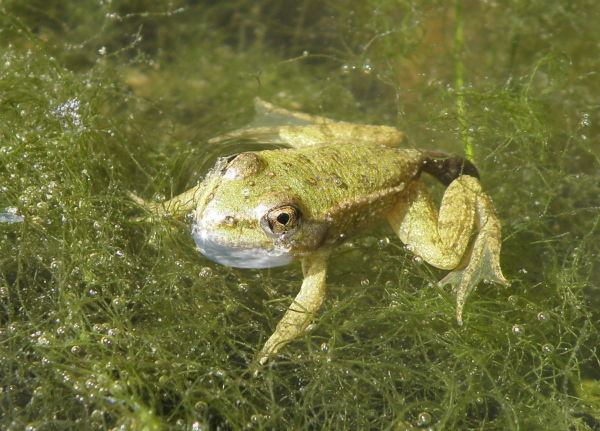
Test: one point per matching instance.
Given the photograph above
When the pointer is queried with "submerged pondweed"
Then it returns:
(112, 320)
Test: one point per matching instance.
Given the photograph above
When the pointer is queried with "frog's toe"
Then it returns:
(483, 265)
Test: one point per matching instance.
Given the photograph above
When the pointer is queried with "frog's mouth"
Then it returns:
(238, 256)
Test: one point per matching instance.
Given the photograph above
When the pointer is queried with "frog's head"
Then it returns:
(246, 218)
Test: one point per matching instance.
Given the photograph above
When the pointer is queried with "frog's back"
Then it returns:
(347, 185)
(344, 171)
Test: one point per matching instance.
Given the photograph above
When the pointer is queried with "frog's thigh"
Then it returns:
(305, 305)
(440, 239)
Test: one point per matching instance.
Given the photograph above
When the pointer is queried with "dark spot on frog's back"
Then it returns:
(446, 168)
(243, 165)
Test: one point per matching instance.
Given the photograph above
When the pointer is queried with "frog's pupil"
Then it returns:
(283, 218)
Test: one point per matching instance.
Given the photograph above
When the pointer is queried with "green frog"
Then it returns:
(267, 208)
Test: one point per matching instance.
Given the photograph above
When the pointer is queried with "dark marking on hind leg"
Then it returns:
(446, 167)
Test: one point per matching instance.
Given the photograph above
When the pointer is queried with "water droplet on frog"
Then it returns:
(517, 330)
(423, 419)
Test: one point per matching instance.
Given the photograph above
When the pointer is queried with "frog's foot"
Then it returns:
(443, 239)
(483, 260)
(151, 208)
(305, 305)
(177, 206)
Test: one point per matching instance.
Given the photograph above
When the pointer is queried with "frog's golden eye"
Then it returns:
(282, 219)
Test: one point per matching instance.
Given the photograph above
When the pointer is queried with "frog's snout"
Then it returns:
(215, 249)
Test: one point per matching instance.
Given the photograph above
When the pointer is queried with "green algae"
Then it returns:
(109, 322)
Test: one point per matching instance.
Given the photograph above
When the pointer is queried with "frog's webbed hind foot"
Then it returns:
(482, 262)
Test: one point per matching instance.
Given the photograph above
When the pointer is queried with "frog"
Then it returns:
(331, 180)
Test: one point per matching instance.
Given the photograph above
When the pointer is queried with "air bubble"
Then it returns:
(517, 330)
(585, 120)
(542, 317)
(547, 348)
(423, 419)
(206, 272)
(383, 242)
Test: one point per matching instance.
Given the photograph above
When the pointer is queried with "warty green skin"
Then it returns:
(338, 189)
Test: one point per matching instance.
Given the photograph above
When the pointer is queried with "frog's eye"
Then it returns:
(281, 220)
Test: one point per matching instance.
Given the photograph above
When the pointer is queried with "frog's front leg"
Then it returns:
(442, 239)
(305, 305)
(180, 205)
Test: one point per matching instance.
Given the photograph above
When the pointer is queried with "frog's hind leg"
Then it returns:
(443, 239)
(275, 125)
(268, 122)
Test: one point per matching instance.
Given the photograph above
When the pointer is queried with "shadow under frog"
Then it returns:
(264, 209)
